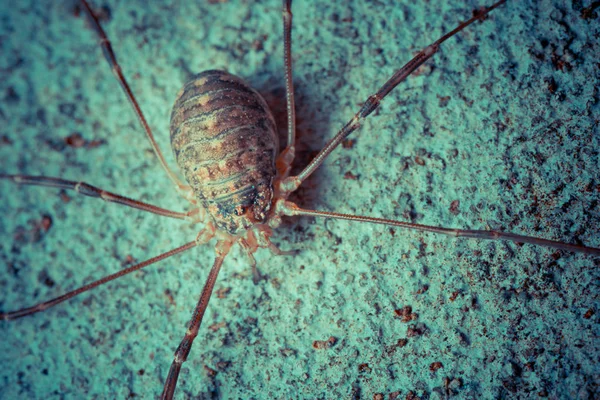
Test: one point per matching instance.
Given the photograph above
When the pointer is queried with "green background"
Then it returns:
(504, 119)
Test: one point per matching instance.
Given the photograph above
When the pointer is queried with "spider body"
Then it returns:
(224, 140)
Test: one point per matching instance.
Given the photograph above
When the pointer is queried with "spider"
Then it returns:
(413, 263)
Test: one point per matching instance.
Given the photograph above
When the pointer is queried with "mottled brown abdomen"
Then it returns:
(224, 139)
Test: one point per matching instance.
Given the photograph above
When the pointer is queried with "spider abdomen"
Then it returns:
(224, 139)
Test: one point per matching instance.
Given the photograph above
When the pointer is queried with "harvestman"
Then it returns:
(257, 234)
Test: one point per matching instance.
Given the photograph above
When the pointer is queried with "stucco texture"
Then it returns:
(498, 131)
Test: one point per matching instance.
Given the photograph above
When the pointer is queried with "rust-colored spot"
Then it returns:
(444, 100)
(324, 344)
(416, 330)
(64, 197)
(209, 371)
(454, 295)
(454, 207)
(394, 395)
(46, 223)
(435, 366)
(169, 297)
(223, 292)
(223, 365)
(217, 326)
(95, 143)
(350, 175)
(530, 366)
(423, 289)
(364, 368)
(257, 45)
(75, 140)
(406, 314)
(411, 396)
(129, 260)
(348, 143)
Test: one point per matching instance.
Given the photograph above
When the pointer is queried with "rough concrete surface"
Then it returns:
(497, 131)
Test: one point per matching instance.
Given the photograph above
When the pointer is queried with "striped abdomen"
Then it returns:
(225, 142)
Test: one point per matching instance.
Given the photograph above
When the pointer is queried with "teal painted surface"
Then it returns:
(482, 123)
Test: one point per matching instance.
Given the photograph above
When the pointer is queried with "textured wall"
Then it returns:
(504, 120)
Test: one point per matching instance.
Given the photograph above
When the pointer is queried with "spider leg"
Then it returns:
(285, 159)
(250, 250)
(291, 209)
(292, 183)
(278, 252)
(116, 69)
(185, 346)
(92, 191)
(57, 300)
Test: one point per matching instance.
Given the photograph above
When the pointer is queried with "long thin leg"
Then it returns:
(285, 159)
(185, 346)
(256, 276)
(50, 303)
(289, 84)
(278, 252)
(116, 69)
(293, 182)
(92, 191)
(292, 209)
